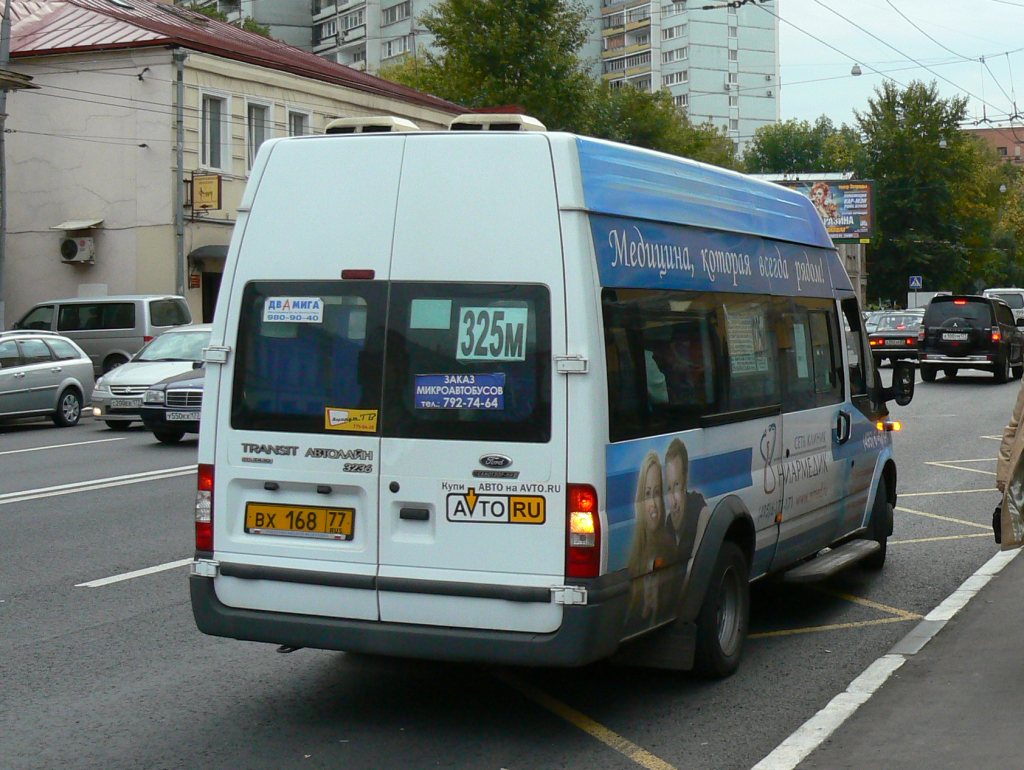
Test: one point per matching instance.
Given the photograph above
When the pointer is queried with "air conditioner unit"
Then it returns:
(495, 122)
(77, 250)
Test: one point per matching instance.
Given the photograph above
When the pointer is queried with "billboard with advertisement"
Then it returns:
(845, 206)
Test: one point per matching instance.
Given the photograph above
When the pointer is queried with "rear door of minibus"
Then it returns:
(297, 432)
(473, 455)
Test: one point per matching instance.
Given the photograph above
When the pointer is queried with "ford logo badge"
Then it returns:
(495, 461)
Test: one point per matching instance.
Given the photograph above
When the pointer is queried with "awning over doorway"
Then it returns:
(204, 254)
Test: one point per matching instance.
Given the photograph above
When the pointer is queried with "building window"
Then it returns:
(670, 9)
(215, 133)
(612, 42)
(734, 124)
(616, 65)
(298, 123)
(732, 79)
(1001, 151)
(353, 20)
(258, 128)
(395, 47)
(325, 31)
(643, 84)
(644, 39)
(669, 33)
(734, 101)
(732, 31)
(676, 54)
(675, 78)
(613, 20)
(682, 100)
(638, 60)
(734, 54)
(640, 13)
(395, 13)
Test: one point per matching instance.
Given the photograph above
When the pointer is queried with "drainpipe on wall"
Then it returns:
(179, 169)
(5, 57)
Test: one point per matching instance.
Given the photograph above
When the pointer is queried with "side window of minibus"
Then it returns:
(858, 362)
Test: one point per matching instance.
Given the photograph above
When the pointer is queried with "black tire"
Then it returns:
(950, 372)
(724, 615)
(112, 362)
(118, 424)
(69, 409)
(1003, 370)
(928, 373)
(168, 436)
(879, 528)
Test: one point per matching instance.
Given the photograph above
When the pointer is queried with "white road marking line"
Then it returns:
(958, 468)
(965, 522)
(816, 730)
(88, 486)
(58, 446)
(130, 575)
(989, 490)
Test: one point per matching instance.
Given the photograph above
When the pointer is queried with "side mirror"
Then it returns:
(1019, 322)
(902, 390)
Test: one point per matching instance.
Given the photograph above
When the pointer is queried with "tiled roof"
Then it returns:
(71, 26)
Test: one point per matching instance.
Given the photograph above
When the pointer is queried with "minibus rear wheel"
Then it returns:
(724, 616)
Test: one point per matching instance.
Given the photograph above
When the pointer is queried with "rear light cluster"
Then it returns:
(583, 532)
(996, 336)
(204, 509)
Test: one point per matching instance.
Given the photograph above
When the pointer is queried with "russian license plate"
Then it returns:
(896, 343)
(954, 336)
(299, 521)
(183, 416)
(126, 403)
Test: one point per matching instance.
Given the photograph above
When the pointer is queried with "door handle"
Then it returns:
(19, 375)
(843, 427)
(56, 369)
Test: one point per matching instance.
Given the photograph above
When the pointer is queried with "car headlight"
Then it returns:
(153, 397)
(101, 388)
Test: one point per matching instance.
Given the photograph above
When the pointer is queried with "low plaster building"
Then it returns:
(135, 99)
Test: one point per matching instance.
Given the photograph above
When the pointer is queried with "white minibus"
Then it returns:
(527, 397)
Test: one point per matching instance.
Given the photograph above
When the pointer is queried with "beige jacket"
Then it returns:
(1012, 443)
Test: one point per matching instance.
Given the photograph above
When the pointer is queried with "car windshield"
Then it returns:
(176, 346)
(898, 322)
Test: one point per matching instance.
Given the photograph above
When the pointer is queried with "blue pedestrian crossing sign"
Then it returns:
(916, 282)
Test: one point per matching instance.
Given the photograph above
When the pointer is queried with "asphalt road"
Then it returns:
(115, 675)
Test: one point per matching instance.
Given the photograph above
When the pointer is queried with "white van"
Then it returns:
(528, 398)
(1012, 296)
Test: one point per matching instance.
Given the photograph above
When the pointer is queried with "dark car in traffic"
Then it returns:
(895, 335)
(968, 331)
(171, 407)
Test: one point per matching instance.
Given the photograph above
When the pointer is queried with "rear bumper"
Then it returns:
(981, 361)
(588, 632)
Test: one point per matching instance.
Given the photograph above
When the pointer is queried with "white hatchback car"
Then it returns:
(117, 398)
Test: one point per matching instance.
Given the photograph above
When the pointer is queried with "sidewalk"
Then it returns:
(954, 700)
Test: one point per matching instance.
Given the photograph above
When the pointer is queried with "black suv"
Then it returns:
(965, 331)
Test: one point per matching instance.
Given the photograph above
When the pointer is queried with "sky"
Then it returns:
(971, 48)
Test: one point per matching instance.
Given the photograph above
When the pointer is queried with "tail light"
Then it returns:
(204, 509)
(996, 336)
(920, 334)
(583, 532)
(147, 338)
(911, 340)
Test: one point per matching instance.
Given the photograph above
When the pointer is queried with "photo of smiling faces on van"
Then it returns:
(683, 509)
(651, 545)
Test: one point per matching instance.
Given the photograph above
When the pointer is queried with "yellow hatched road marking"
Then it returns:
(872, 604)
(944, 518)
(832, 627)
(608, 737)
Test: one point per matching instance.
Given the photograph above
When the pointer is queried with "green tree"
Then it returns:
(247, 23)
(505, 52)
(796, 147)
(643, 119)
(936, 191)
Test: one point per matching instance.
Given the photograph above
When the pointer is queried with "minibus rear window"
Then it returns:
(468, 362)
(309, 357)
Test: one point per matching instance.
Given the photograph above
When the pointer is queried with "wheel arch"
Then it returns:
(730, 521)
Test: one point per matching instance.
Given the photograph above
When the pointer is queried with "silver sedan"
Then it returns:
(43, 374)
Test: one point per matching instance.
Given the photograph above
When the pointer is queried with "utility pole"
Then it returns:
(5, 58)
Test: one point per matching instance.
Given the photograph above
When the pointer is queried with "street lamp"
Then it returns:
(855, 70)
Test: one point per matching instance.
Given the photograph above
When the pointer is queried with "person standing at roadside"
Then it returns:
(1010, 477)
